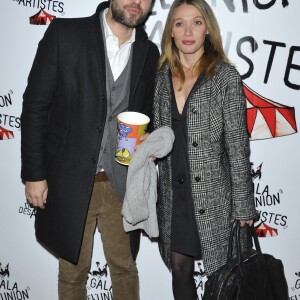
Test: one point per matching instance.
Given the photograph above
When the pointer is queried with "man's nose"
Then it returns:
(137, 1)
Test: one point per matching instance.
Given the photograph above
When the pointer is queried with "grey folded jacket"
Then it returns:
(139, 206)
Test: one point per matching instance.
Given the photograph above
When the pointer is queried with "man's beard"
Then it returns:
(119, 16)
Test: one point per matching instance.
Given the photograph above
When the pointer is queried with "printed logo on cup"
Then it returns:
(131, 125)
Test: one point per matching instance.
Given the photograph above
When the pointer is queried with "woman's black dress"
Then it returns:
(184, 233)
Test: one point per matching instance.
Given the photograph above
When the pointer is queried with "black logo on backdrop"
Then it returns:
(8, 122)
(46, 10)
(265, 199)
(257, 172)
(295, 294)
(99, 272)
(4, 272)
(48, 5)
(290, 63)
(248, 46)
(200, 278)
(230, 4)
(99, 285)
(9, 289)
(27, 210)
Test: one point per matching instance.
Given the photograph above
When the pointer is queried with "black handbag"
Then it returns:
(248, 276)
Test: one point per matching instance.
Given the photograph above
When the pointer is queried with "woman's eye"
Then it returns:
(198, 22)
(178, 24)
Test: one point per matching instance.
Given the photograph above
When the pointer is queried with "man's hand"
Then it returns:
(36, 193)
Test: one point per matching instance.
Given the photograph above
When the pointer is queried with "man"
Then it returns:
(86, 71)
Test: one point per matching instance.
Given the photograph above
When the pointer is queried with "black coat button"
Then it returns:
(109, 119)
(93, 161)
(99, 129)
(103, 97)
(201, 211)
(197, 178)
(195, 144)
(180, 180)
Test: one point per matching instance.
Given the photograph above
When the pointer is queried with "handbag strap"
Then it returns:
(233, 230)
(235, 235)
(239, 248)
(255, 238)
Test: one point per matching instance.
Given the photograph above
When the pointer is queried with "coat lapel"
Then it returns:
(166, 104)
(99, 44)
(140, 53)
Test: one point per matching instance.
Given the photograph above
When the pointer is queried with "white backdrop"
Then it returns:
(262, 40)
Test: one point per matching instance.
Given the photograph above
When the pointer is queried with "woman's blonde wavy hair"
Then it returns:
(213, 48)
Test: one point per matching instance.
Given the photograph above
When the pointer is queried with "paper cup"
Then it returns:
(131, 125)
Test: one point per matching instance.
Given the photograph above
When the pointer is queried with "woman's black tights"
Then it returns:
(183, 283)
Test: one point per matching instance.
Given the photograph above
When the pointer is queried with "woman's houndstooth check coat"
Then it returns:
(218, 153)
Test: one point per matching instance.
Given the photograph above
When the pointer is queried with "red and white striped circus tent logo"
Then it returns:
(266, 118)
(41, 18)
(5, 134)
(263, 230)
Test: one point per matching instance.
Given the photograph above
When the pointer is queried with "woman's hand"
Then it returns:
(143, 138)
(243, 223)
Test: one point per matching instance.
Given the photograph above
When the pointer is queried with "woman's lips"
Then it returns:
(188, 42)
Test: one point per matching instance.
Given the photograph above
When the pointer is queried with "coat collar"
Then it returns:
(165, 78)
(165, 73)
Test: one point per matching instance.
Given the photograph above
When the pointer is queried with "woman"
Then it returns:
(205, 183)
